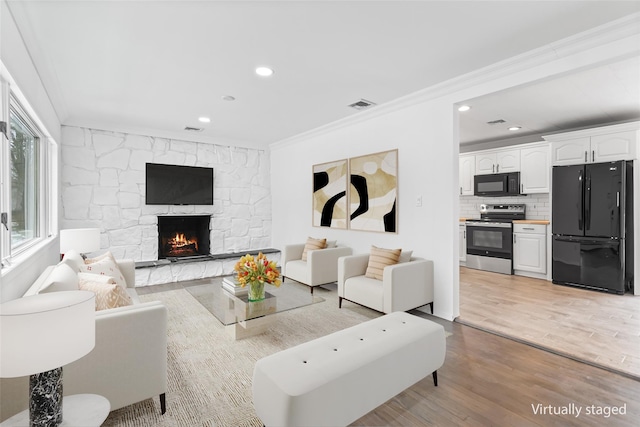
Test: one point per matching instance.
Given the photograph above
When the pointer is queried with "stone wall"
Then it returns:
(103, 185)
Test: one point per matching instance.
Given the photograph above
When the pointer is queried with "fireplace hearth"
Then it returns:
(183, 236)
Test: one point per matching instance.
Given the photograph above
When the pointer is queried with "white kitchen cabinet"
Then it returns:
(462, 238)
(571, 152)
(597, 145)
(497, 161)
(616, 146)
(535, 169)
(507, 161)
(530, 248)
(486, 163)
(466, 172)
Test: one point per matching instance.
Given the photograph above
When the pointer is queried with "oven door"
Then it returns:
(490, 239)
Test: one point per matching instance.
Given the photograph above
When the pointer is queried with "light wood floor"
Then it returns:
(488, 380)
(599, 328)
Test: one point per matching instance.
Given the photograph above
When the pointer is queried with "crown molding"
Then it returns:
(601, 130)
(170, 135)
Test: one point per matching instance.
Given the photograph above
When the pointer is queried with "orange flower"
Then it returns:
(249, 269)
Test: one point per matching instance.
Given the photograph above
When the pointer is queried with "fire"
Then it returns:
(180, 241)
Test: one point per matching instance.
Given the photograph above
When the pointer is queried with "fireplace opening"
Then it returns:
(183, 236)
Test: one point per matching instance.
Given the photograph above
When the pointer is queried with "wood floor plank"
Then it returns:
(597, 327)
(488, 380)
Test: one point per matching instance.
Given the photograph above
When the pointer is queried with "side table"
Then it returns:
(78, 410)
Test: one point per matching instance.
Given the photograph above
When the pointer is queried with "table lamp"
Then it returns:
(81, 240)
(38, 335)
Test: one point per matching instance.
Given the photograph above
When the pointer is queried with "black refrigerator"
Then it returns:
(592, 226)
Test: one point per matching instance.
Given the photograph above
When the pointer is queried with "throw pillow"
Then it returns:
(332, 244)
(74, 259)
(108, 295)
(379, 258)
(105, 267)
(99, 278)
(313, 244)
(405, 256)
(62, 278)
(106, 255)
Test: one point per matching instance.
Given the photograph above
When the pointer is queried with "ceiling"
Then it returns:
(156, 66)
(605, 94)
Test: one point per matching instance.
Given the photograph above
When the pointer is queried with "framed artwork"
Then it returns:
(330, 194)
(373, 192)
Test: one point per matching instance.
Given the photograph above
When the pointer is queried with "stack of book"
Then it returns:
(230, 285)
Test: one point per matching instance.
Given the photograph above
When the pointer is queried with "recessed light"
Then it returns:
(204, 119)
(228, 98)
(463, 108)
(264, 71)
(515, 128)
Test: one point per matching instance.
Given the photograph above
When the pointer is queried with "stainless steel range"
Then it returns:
(490, 239)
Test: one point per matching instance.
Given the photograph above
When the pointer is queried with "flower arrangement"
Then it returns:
(256, 272)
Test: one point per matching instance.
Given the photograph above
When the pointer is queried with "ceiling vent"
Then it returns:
(496, 122)
(192, 129)
(362, 104)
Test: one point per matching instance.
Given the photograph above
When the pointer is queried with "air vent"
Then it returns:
(496, 122)
(362, 104)
(192, 129)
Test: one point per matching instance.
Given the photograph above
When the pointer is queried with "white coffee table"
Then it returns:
(78, 410)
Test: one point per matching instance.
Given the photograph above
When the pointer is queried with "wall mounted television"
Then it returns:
(178, 185)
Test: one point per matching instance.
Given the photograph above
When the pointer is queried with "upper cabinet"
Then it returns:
(603, 144)
(507, 161)
(498, 161)
(615, 146)
(535, 171)
(572, 151)
(531, 160)
(486, 163)
(466, 172)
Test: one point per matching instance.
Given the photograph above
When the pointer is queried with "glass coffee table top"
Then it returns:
(230, 309)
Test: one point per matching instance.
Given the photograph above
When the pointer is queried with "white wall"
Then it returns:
(16, 68)
(410, 131)
(423, 127)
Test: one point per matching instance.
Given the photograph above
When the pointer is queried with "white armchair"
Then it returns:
(128, 363)
(320, 268)
(404, 286)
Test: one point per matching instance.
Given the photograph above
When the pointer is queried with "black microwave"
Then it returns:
(497, 184)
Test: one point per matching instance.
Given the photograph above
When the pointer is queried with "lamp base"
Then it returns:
(45, 398)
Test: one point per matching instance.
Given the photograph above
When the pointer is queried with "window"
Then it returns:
(28, 196)
(24, 156)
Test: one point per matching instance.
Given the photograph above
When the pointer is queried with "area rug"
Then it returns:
(210, 373)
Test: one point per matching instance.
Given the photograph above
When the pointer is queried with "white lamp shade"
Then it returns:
(81, 240)
(45, 331)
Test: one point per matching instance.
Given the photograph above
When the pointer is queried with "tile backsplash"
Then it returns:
(537, 205)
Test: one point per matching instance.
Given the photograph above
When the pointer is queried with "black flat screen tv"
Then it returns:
(178, 185)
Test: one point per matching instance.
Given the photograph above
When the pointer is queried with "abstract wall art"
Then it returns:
(330, 194)
(373, 192)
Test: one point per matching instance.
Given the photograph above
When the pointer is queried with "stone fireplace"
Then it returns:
(183, 236)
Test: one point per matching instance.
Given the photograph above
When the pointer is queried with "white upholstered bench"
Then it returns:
(336, 379)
